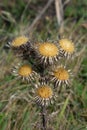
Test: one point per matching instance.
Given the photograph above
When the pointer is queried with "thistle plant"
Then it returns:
(41, 66)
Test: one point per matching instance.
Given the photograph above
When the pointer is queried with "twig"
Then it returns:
(40, 15)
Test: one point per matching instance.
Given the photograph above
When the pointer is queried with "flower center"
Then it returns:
(67, 45)
(19, 41)
(61, 74)
(44, 92)
(48, 49)
(25, 70)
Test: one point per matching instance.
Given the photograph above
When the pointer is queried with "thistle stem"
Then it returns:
(44, 118)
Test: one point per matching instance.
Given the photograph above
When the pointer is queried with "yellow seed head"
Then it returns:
(61, 74)
(25, 70)
(44, 92)
(19, 41)
(48, 49)
(67, 45)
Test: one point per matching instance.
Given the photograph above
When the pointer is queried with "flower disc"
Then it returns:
(19, 41)
(67, 45)
(25, 70)
(61, 74)
(44, 92)
(48, 49)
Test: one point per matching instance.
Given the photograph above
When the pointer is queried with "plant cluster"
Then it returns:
(43, 66)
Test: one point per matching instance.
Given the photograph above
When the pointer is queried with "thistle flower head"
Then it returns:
(66, 46)
(25, 72)
(48, 49)
(21, 46)
(47, 53)
(60, 76)
(19, 41)
(44, 94)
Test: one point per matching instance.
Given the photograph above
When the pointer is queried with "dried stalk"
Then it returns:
(59, 11)
(44, 118)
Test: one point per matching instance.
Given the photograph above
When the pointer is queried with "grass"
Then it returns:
(17, 111)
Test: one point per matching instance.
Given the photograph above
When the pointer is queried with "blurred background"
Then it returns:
(41, 20)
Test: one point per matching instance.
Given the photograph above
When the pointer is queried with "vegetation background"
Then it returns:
(41, 20)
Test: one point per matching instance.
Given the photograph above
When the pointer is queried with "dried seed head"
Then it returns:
(44, 94)
(60, 76)
(48, 49)
(47, 53)
(67, 47)
(25, 72)
(21, 46)
(17, 42)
